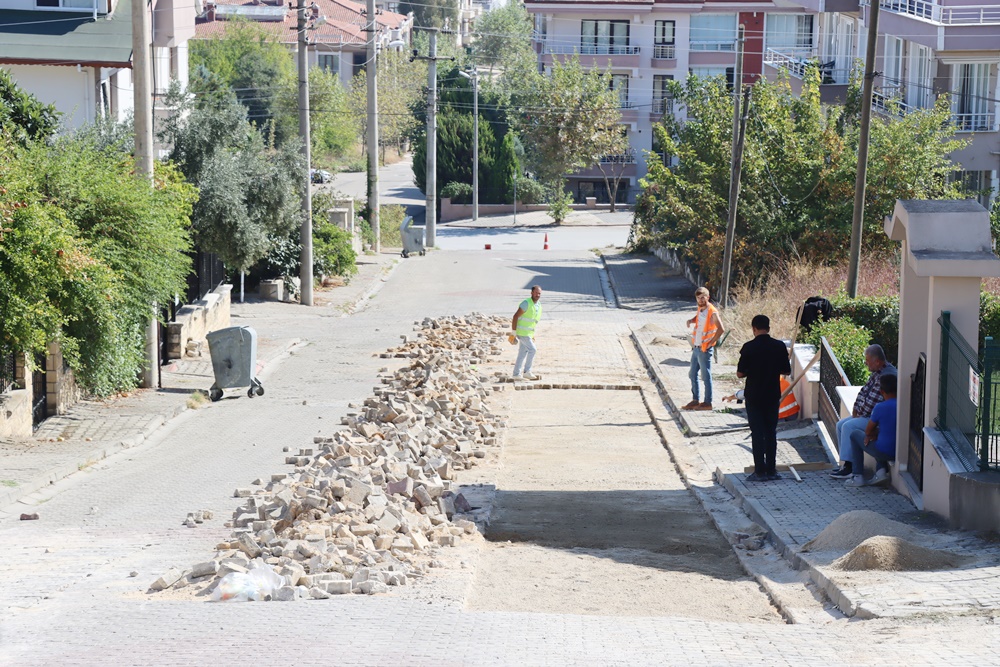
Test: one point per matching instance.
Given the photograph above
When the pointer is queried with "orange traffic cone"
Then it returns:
(546, 247)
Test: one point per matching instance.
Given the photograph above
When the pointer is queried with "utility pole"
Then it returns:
(739, 125)
(143, 118)
(371, 75)
(857, 224)
(474, 78)
(305, 236)
(430, 228)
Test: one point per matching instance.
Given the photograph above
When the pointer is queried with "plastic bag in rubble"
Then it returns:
(236, 587)
(265, 577)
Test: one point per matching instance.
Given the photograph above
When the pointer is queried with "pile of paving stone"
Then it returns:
(368, 507)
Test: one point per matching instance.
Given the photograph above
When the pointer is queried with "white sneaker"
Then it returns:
(516, 377)
(856, 481)
(530, 376)
(881, 475)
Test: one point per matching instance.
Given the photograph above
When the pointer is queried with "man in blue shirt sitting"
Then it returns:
(878, 439)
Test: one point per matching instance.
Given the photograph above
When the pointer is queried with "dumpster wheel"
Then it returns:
(256, 389)
(215, 394)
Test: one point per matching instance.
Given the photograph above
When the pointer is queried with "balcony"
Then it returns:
(890, 101)
(663, 106)
(628, 157)
(935, 13)
(974, 122)
(591, 50)
(798, 63)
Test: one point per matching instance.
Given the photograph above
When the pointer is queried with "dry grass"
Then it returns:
(784, 291)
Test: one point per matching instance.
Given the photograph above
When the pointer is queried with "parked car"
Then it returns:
(320, 176)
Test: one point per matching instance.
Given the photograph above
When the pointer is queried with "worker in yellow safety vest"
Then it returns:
(708, 330)
(523, 332)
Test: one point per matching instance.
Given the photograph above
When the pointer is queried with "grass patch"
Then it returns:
(9, 483)
(196, 400)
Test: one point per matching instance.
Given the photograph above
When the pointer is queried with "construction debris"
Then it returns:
(367, 507)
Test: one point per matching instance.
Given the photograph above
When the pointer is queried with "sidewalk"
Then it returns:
(95, 429)
(621, 217)
(795, 512)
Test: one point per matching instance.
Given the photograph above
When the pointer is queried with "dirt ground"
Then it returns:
(590, 517)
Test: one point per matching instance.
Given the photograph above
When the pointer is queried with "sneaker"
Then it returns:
(756, 477)
(843, 472)
(516, 376)
(881, 475)
(856, 481)
(702, 406)
(773, 476)
(692, 405)
(530, 376)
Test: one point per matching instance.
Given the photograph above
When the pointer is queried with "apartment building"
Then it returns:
(925, 48)
(647, 43)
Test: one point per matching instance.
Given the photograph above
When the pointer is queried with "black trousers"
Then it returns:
(763, 420)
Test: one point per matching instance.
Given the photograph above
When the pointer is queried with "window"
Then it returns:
(713, 32)
(542, 26)
(604, 37)
(619, 83)
(329, 62)
(359, 63)
(918, 77)
(790, 34)
(840, 47)
(893, 65)
(663, 40)
(976, 184)
(87, 5)
(970, 97)
(662, 102)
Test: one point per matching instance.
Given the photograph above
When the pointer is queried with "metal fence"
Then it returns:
(8, 370)
(831, 376)
(959, 393)
(989, 407)
(208, 274)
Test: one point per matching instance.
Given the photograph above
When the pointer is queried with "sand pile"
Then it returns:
(894, 554)
(852, 528)
(668, 340)
(651, 328)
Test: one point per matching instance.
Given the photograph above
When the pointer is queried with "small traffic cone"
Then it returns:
(546, 247)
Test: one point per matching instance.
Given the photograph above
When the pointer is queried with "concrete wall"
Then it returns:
(61, 391)
(195, 320)
(15, 405)
(451, 212)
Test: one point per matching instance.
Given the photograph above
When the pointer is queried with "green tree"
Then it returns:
(432, 14)
(454, 152)
(798, 175)
(505, 170)
(248, 194)
(22, 116)
(401, 86)
(332, 131)
(503, 37)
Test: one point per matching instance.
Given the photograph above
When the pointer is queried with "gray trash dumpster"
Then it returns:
(413, 237)
(234, 360)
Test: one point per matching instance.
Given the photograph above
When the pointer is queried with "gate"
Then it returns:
(39, 392)
(915, 458)
(959, 393)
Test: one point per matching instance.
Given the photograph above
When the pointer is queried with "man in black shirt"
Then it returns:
(763, 361)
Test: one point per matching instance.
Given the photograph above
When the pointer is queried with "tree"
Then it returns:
(432, 14)
(503, 36)
(401, 86)
(248, 192)
(505, 170)
(332, 131)
(565, 120)
(610, 152)
(454, 152)
(798, 175)
(22, 116)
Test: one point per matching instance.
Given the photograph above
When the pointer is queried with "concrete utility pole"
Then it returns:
(306, 258)
(143, 118)
(474, 78)
(371, 74)
(739, 124)
(430, 225)
(857, 224)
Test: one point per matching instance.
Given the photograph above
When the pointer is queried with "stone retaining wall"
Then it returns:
(195, 320)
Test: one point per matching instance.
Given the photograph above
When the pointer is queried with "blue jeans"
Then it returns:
(703, 361)
(525, 354)
(845, 427)
(859, 449)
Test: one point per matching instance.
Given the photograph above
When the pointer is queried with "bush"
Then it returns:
(530, 192)
(848, 341)
(459, 193)
(332, 251)
(560, 207)
(355, 165)
(390, 219)
(878, 314)
(989, 317)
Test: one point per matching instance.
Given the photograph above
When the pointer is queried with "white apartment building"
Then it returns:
(925, 48)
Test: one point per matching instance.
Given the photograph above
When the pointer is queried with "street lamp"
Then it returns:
(474, 78)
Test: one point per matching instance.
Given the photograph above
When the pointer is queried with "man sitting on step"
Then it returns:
(878, 439)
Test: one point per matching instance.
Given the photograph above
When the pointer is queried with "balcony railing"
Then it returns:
(954, 15)
(889, 101)
(664, 106)
(798, 63)
(591, 50)
(664, 52)
(713, 46)
(974, 122)
(624, 103)
(628, 157)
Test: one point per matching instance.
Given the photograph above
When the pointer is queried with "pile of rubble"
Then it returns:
(372, 505)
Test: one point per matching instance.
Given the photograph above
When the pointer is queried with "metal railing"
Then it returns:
(974, 122)
(798, 63)
(624, 103)
(665, 105)
(958, 392)
(931, 11)
(592, 50)
(989, 407)
(628, 157)
(8, 370)
(664, 52)
(831, 376)
(889, 102)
